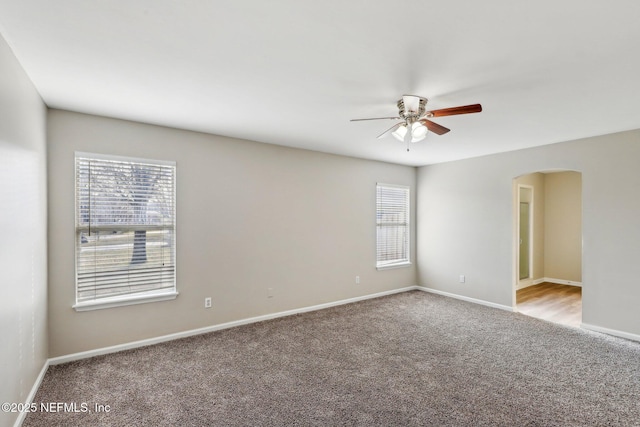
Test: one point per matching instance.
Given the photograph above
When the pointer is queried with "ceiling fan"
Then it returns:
(415, 121)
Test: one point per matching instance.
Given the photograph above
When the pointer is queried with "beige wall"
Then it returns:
(23, 292)
(563, 226)
(465, 224)
(250, 216)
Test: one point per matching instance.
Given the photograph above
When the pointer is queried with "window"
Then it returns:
(392, 213)
(125, 231)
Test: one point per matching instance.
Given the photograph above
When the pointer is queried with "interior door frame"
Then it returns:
(527, 281)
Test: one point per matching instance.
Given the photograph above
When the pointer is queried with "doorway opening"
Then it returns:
(548, 246)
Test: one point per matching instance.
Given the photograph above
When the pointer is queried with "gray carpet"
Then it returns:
(407, 359)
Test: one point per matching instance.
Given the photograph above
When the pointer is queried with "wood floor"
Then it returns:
(549, 301)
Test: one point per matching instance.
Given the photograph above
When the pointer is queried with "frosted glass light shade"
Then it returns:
(418, 132)
(400, 132)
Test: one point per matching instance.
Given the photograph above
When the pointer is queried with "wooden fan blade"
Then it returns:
(434, 127)
(376, 118)
(465, 109)
(388, 131)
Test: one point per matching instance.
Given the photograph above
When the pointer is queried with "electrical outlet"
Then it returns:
(357, 280)
(207, 302)
(462, 278)
(269, 292)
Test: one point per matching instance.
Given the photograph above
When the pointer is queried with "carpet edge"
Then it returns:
(32, 394)
(464, 298)
(184, 334)
(614, 332)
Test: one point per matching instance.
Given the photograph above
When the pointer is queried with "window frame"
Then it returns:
(133, 298)
(400, 262)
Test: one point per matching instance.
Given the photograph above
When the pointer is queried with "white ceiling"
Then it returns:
(293, 72)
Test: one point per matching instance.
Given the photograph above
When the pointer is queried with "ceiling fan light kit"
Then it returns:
(418, 132)
(415, 122)
(400, 132)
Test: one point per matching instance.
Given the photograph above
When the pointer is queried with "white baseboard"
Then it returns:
(171, 337)
(613, 332)
(468, 299)
(36, 385)
(561, 281)
(529, 282)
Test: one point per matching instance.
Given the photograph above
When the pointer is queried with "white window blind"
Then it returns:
(392, 213)
(125, 229)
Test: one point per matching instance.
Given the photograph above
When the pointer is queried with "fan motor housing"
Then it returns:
(412, 112)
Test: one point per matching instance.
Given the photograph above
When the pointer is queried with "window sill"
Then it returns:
(122, 301)
(392, 266)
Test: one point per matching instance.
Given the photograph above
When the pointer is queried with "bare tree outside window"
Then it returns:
(125, 225)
